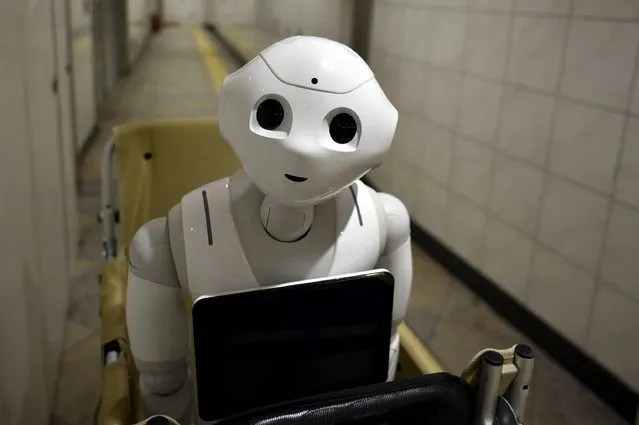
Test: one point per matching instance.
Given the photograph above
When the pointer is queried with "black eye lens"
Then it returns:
(270, 114)
(342, 128)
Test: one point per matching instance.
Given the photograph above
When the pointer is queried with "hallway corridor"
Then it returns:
(172, 80)
(169, 81)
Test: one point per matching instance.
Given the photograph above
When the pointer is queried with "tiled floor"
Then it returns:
(170, 80)
(455, 324)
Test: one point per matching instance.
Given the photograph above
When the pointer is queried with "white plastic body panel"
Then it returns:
(218, 264)
(311, 96)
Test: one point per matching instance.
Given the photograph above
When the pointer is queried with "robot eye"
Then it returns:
(342, 128)
(270, 114)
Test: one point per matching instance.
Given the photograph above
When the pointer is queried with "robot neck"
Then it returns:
(285, 224)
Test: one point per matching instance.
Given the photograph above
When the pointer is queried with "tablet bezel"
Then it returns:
(380, 275)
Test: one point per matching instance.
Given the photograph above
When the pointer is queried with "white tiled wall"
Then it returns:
(326, 18)
(227, 12)
(189, 12)
(518, 147)
(284, 18)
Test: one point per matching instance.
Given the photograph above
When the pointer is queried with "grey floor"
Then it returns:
(171, 80)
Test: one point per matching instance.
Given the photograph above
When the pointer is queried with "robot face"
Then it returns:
(306, 118)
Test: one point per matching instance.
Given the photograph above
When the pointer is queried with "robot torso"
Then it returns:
(223, 253)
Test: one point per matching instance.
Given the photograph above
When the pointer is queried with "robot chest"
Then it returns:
(252, 260)
(322, 253)
(224, 255)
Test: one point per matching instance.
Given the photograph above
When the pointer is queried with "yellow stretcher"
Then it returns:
(156, 163)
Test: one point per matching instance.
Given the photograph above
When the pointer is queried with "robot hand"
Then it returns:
(177, 404)
(157, 324)
(158, 420)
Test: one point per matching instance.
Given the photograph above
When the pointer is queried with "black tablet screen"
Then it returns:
(262, 347)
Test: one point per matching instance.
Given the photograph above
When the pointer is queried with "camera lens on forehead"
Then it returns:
(270, 114)
(342, 128)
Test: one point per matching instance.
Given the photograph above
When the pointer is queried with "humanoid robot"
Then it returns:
(307, 119)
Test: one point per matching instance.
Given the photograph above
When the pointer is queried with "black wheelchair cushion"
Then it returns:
(435, 399)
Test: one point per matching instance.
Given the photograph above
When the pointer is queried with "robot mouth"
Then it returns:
(295, 179)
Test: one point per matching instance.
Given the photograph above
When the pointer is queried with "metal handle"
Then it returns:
(108, 213)
(111, 357)
(111, 352)
(489, 381)
(517, 392)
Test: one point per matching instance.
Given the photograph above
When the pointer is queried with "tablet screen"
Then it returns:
(266, 346)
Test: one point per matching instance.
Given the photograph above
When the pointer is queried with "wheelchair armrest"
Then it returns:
(433, 399)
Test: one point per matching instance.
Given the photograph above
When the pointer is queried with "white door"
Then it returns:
(50, 193)
(33, 251)
(67, 122)
(22, 385)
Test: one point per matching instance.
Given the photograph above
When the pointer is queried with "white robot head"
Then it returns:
(306, 118)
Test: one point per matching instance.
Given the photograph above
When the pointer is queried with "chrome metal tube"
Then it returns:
(107, 213)
(489, 381)
(518, 390)
(111, 357)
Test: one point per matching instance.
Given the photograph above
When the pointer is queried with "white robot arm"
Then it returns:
(396, 256)
(157, 323)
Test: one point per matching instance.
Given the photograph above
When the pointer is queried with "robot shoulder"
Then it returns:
(397, 221)
(197, 206)
(176, 235)
(150, 254)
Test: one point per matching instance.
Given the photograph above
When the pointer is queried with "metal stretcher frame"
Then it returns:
(155, 164)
